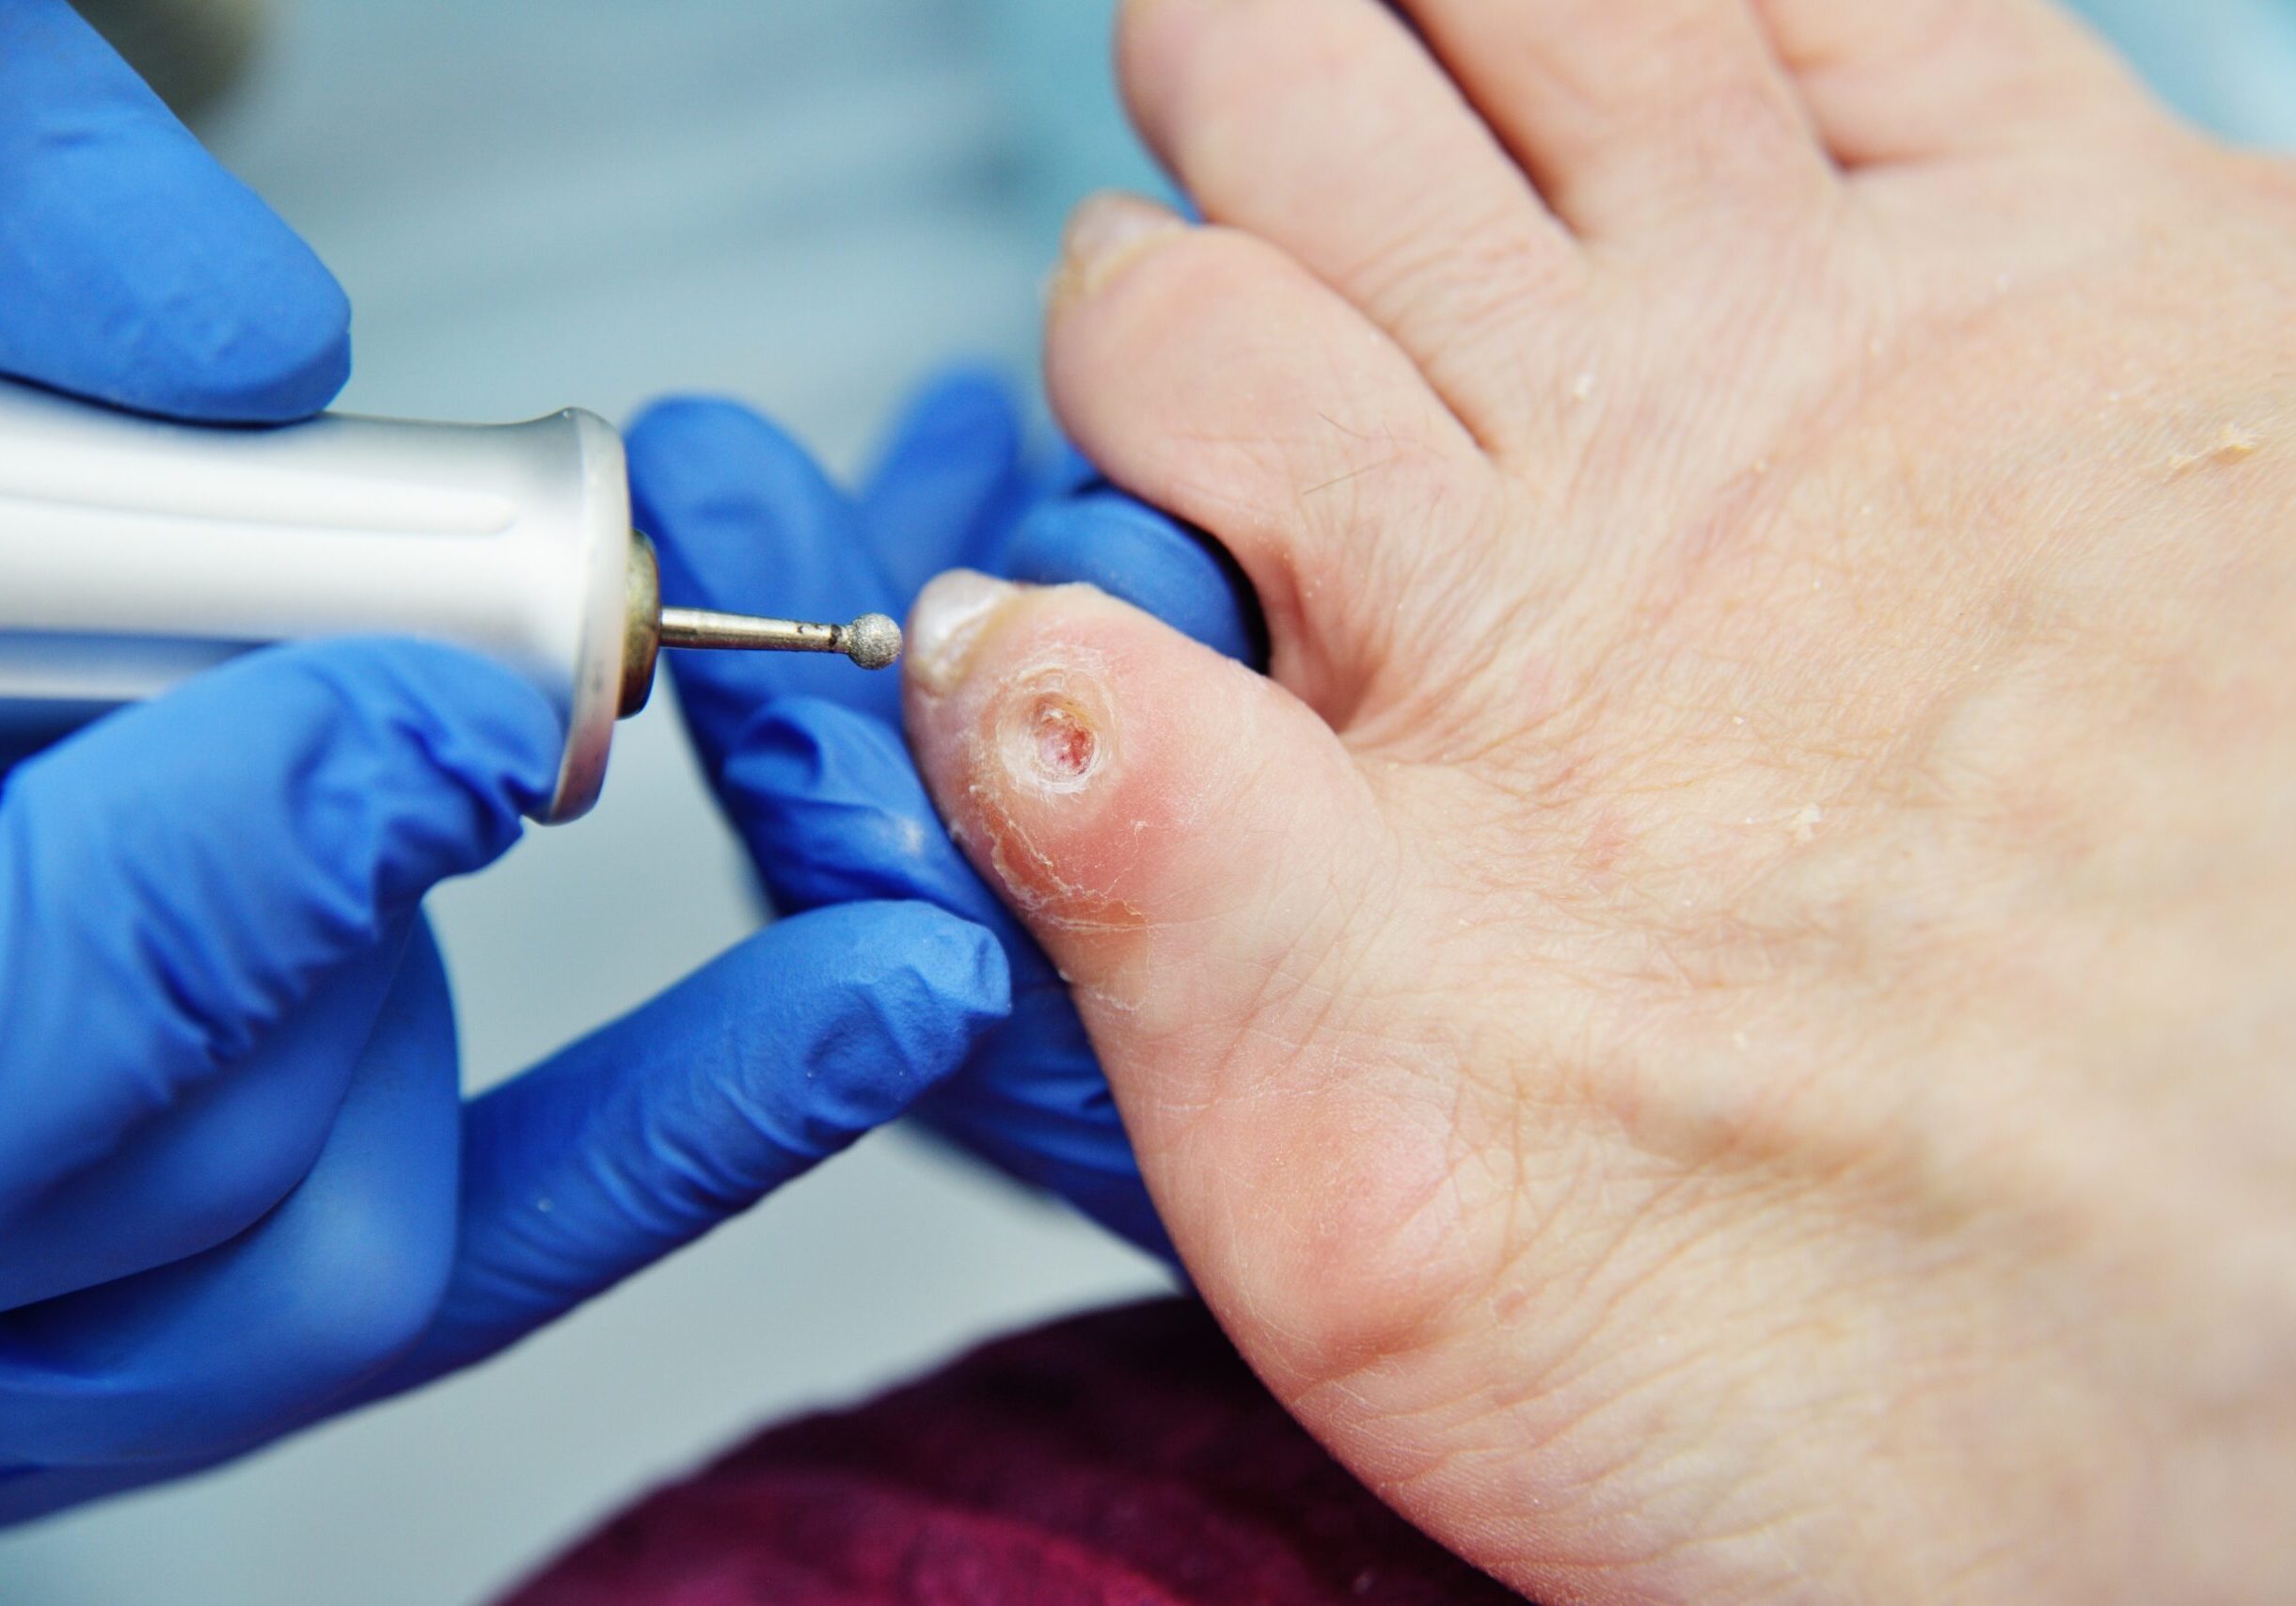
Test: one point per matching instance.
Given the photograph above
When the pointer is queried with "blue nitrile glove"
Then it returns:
(132, 269)
(238, 1187)
(807, 756)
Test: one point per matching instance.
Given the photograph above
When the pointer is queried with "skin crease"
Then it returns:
(1720, 1029)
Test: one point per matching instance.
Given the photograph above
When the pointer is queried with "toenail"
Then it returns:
(946, 621)
(1053, 730)
(1106, 232)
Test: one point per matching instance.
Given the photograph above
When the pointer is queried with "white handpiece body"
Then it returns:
(134, 552)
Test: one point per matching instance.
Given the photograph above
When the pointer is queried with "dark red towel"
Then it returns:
(1127, 1458)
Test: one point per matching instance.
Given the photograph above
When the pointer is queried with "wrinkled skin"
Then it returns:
(1721, 1026)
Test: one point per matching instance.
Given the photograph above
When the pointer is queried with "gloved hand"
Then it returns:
(238, 1187)
(807, 758)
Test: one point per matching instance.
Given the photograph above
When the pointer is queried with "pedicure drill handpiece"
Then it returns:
(134, 552)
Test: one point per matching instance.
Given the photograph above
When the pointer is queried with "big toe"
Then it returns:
(1117, 783)
(1215, 876)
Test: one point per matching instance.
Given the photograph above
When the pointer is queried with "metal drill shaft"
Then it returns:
(871, 641)
(738, 632)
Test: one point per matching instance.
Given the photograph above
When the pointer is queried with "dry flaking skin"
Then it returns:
(1048, 737)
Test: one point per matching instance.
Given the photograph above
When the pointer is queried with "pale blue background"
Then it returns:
(802, 201)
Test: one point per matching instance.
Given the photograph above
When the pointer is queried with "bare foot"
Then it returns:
(1725, 1028)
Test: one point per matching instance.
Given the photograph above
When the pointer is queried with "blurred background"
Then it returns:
(808, 204)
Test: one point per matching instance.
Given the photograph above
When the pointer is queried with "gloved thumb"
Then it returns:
(1187, 840)
(178, 880)
(645, 1136)
(138, 271)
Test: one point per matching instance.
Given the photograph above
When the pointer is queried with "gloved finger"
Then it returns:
(949, 481)
(644, 1136)
(833, 811)
(746, 521)
(134, 269)
(221, 1350)
(178, 880)
(232, 1150)
(1102, 537)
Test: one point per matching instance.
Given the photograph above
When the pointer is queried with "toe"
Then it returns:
(1196, 851)
(1215, 377)
(1635, 115)
(1325, 127)
(1900, 80)
(1105, 774)
(1227, 891)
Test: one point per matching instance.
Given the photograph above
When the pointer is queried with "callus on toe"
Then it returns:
(1052, 728)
